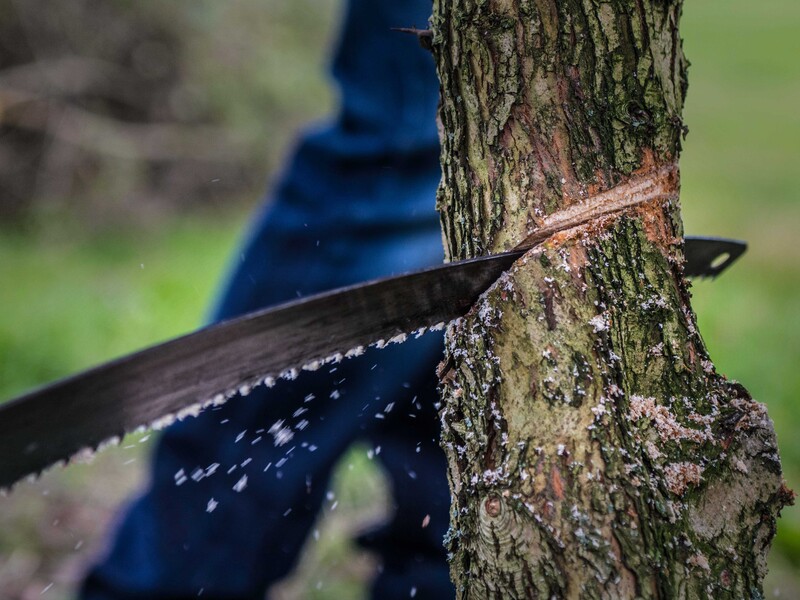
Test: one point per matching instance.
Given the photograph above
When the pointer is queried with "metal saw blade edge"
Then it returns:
(180, 377)
(198, 367)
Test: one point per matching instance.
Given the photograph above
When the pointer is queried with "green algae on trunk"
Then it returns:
(593, 449)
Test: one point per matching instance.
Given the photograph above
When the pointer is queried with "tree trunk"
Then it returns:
(593, 449)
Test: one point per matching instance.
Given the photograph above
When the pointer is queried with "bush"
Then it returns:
(122, 108)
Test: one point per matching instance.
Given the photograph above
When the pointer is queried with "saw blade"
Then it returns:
(710, 256)
(182, 376)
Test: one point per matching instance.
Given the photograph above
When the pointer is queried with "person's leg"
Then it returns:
(410, 545)
(368, 177)
(235, 492)
(355, 203)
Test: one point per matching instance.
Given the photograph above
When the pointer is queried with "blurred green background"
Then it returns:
(136, 137)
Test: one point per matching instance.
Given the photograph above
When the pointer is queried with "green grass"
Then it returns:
(73, 297)
(739, 172)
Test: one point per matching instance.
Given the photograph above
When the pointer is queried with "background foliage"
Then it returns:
(136, 136)
(117, 108)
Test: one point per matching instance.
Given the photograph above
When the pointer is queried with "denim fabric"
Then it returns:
(356, 202)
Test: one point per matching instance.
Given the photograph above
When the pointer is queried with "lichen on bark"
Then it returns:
(594, 450)
(547, 100)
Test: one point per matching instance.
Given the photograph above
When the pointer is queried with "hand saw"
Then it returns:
(154, 386)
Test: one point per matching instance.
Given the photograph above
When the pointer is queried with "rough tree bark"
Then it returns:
(593, 449)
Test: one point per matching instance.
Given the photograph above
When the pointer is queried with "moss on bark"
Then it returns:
(594, 451)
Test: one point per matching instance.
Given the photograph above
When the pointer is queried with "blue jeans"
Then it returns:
(356, 202)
